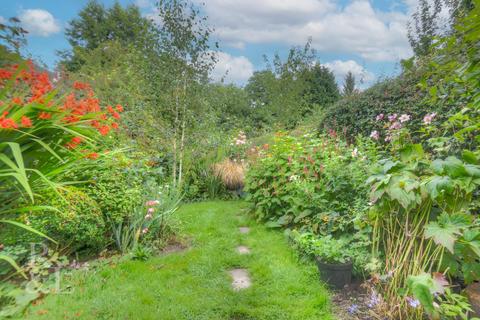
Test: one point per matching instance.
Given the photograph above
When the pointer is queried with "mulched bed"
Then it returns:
(354, 302)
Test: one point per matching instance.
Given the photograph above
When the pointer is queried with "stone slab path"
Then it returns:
(241, 279)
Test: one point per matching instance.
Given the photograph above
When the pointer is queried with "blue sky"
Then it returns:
(366, 37)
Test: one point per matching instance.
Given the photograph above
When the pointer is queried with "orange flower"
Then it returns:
(119, 108)
(44, 116)
(81, 85)
(26, 122)
(17, 100)
(8, 123)
(114, 125)
(92, 156)
(104, 130)
(76, 140)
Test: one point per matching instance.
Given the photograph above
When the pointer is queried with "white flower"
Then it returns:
(404, 118)
(355, 153)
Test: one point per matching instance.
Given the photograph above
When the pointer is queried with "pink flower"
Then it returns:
(395, 126)
(148, 216)
(151, 210)
(429, 117)
(392, 117)
(152, 203)
(144, 230)
(375, 135)
(380, 117)
(404, 118)
(388, 138)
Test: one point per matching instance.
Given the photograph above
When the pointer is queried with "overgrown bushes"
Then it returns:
(316, 184)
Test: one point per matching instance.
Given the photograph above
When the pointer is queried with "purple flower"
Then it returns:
(375, 135)
(380, 117)
(353, 309)
(404, 118)
(374, 300)
(429, 117)
(392, 117)
(388, 138)
(414, 303)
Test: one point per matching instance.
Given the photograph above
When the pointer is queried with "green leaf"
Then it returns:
(412, 152)
(469, 157)
(29, 229)
(303, 214)
(454, 167)
(12, 262)
(445, 231)
(421, 287)
(438, 184)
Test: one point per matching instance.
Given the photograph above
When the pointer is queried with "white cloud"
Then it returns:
(143, 3)
(340, 68)
(3, 20)
(355, 28)
(232, 69)
(39, 22)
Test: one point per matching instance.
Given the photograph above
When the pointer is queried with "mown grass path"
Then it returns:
(195, 284)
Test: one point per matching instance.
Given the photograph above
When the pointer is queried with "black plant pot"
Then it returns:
(335, 275)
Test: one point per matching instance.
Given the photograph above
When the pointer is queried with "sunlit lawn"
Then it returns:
(194, 284)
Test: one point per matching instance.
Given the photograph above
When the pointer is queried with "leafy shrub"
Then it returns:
(76, 224)
(328, 249)
(117, 190)
(355, 114)
(315, 184)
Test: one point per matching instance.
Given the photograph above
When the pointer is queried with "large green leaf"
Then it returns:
(438, 184)
(454, 167)
(446, 230)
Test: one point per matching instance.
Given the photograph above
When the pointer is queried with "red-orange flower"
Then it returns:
(92, 156)
(7, 123)
(44, 115)
(104, 130)
(114, 125)
(17, 100)
(26, 122)
(119, 108)
(76, 140)
(80, 85)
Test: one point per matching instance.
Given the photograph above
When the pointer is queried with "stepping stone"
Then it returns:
(243, 250)
(241, 279)
(244, 230)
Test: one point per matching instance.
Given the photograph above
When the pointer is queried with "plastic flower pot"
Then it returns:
(336, 275)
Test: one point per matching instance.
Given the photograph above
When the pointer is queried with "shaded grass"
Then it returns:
(194, 284)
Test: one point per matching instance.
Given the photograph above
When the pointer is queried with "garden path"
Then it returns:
(195, 283)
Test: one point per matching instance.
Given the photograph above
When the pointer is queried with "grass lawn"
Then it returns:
(195, 284)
